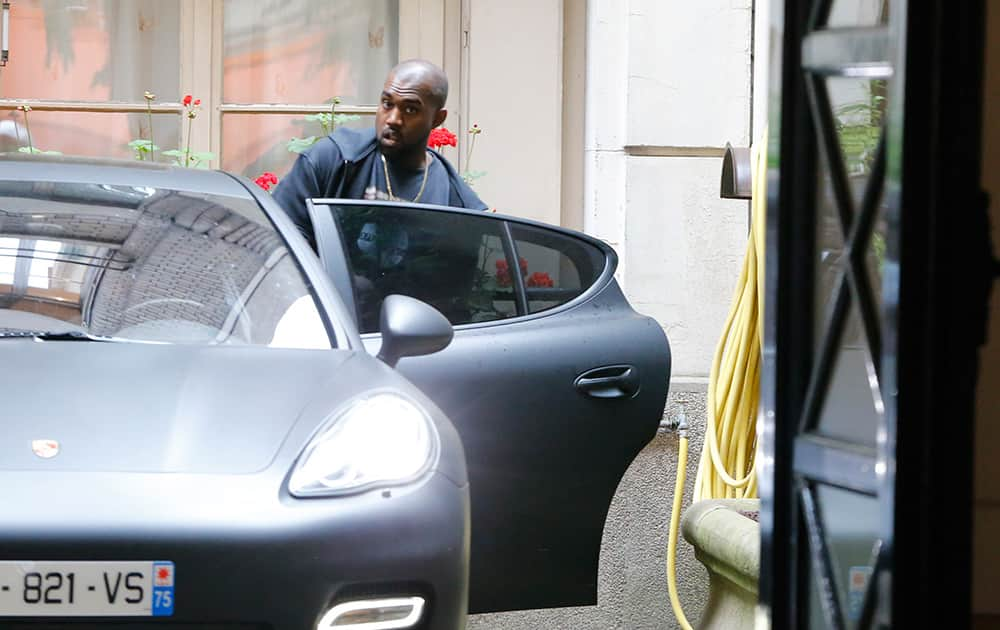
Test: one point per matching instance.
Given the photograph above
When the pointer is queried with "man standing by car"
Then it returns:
(390, 161)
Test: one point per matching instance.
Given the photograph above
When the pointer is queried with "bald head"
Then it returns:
(425, 74)
(412, 103)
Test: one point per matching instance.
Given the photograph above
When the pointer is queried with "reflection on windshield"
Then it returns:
(146, 265)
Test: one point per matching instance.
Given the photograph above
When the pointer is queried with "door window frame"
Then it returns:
(333, 256)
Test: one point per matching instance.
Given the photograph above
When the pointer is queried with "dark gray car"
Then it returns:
(195, 430)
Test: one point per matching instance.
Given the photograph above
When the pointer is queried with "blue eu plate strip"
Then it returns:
(163, 589)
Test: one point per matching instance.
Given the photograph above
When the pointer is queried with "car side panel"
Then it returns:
(544, 459)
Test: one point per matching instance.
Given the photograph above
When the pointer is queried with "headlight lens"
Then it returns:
(381, 439)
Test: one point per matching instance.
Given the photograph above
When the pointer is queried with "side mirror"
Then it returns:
(411, 328)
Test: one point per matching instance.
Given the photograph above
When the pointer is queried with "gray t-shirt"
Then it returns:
(406, 183)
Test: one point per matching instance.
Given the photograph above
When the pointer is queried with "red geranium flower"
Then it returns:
(197, 102)
(266, 180)
(540, 279)
(187, 100)
(503, 273)
(441, 137)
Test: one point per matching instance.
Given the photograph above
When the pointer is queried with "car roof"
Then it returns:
(111, 172)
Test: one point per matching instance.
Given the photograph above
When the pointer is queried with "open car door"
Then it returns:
(554, 383)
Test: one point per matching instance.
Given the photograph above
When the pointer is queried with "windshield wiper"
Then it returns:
(42, 335)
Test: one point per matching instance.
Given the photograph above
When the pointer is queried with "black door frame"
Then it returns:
(933, 315)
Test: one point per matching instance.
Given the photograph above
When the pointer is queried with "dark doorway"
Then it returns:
(878, 272)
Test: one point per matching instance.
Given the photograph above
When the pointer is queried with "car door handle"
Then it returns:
(610, 381)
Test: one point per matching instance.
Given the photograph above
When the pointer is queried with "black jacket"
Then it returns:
(338, 166)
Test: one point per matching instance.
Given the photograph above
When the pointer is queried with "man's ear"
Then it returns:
(440, 116)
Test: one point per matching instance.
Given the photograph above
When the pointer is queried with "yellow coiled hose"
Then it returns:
(728, 466)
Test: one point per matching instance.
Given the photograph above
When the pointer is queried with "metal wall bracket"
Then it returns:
(736, 175)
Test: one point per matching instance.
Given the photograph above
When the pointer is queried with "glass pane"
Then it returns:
(150, 265)
(47, 270)
(496, 297)
(817, 617)
(850, 412)
(859, 107)
(830, 254)
(851, 524)
(307, 51)
(875, 256)
(93, 50)
(556, 268)
(87, 133)
(449, 260)
(257, 143)
(859, 13)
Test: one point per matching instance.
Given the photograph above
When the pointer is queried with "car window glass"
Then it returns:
(452, 261)
(556, 267)
(147, 264)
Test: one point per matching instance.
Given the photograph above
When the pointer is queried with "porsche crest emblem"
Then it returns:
(46, 449)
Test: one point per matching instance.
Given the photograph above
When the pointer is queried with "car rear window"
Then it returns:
(146, 264)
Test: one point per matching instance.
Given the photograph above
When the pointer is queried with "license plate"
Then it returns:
(86, 589)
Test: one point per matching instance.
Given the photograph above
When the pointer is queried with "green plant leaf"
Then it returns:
(37, 151)
(489, 284)
(141, 145)
(177, 154)
(196, 159)
(471, 176)
(481, 301)
(298, 145)
(344, 118)
(853, 108)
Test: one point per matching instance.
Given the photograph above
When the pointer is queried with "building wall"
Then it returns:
(669, 83)
(574, 101)
(514, 82)
(986, 522)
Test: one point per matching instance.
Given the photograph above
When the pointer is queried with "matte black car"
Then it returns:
(195, 431)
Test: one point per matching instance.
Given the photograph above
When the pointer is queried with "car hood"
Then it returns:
(153, 408)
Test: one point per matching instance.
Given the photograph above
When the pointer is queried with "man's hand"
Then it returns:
(374, 194)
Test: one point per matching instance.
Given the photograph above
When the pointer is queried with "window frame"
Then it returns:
(205, 26)
(429, 33)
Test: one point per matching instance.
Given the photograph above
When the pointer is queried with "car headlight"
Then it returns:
(381, 439)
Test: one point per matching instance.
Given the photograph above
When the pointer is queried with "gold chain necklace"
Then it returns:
(388, 182)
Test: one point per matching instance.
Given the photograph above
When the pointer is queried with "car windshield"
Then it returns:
(79, 261)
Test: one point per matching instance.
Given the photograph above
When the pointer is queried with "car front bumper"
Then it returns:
(242, 563)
